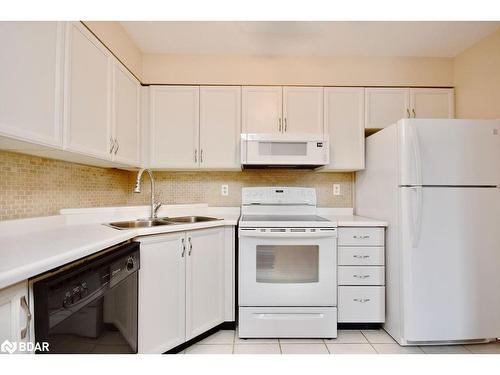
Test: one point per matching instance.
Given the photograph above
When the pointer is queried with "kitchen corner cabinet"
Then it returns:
(344, 122)
(181, 287)
(277, 110)
(386, 106)
(14, 313)
(31, 77)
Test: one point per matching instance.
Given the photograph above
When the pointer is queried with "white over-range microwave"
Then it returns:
(284, 150)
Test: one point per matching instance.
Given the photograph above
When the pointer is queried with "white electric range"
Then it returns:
(287, 265)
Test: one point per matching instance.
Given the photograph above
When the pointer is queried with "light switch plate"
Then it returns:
(224, 190)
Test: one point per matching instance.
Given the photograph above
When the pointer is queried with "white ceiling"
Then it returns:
(430, 39)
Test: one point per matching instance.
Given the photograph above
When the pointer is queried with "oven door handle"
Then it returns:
(325, 234)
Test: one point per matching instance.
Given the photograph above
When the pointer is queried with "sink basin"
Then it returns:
(146, 223)
(189, 219)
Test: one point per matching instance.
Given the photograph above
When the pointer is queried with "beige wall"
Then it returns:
(114, 36)
(32, 186)
(477, 80)
(342, 71)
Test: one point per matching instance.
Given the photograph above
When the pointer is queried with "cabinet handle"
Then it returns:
(201, 155)
(196, 155)
(361, 237)
(117, 145)
(360, 256)
(408, 113)
(279, 124)
(183, 241)
(361, 276)
(285, 124)
(414, 113)
(190, 246)
(112, 145)
(361, 300)
(24, 306)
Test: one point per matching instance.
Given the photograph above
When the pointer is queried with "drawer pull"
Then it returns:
(361, 300)
(361, 276)
(361, 237)
(360, 256)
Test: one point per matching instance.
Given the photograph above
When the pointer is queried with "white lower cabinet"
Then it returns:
(361, 275)
(182, 289)
(361, 304)
(15, 316)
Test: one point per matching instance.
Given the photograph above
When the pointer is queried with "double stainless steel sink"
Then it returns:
(148, 223)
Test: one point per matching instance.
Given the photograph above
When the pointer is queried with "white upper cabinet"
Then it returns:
(220, 127)
(87, 94)
(432, 103)
(345, 125)
(126, 120)
(174, 132)
(303, 110)
(262, 109)
(31, 78)
(385, 106)
(204, 280)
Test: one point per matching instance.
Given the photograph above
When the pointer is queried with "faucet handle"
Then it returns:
(156, 207)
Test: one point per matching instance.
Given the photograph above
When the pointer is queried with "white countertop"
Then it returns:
(32, 246)
(29, 247)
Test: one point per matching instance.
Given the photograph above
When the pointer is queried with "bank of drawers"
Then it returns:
(361, 275)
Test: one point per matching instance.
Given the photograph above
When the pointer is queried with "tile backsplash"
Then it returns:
(32, 186)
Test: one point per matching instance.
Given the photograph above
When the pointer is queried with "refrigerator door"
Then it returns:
(450, 249)
(449, 152)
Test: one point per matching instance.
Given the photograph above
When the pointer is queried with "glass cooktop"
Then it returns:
(282, 218)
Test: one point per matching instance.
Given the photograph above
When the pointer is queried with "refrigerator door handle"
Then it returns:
(417, 160)
(416, 215)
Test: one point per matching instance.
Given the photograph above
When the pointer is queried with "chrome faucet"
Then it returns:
(137, 189)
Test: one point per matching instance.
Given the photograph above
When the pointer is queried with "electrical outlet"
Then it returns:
(224, 190)
(336, 189)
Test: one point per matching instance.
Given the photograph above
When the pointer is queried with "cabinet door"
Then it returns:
(385, 106)
(161, 324)
(262, 109)
(432, 103)
(220, 127)
(87, 94)
(204, 281)
(303, 109)
(345, 125)
(31, 81)
(126, 121)
(175, 127)
(14, 314)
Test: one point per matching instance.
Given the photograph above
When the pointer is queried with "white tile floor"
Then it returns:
(347, 342)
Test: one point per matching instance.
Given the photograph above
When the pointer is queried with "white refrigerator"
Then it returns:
(437, 183)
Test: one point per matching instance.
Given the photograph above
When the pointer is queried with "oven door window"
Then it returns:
(287, 264)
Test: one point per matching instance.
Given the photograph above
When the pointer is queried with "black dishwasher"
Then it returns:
(90, 306)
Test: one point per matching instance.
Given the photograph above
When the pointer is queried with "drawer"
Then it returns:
(291, 322)
(361, 304)
(361, 275)
(361, 256)
(361, 236)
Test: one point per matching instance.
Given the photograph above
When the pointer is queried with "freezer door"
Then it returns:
(449, 152)
(450, 247)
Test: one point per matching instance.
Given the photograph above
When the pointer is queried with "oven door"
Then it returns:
(287, 269)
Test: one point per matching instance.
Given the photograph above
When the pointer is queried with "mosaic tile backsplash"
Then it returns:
(32, 186)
